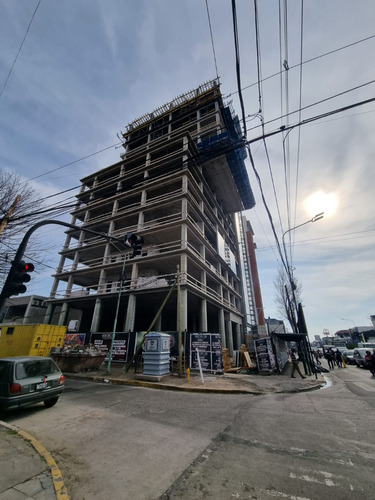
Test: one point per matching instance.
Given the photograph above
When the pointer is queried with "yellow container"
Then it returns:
(30, 340)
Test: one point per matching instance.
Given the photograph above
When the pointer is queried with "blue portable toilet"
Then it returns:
(156, 354)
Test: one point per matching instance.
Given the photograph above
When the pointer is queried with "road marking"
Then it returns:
(327, 481)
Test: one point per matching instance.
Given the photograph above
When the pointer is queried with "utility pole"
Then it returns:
(179, 332)
(5, 220)
(116, 316)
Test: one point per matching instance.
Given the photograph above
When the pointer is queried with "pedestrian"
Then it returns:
(330, 359)
(295, 366)
(338, 358)
(368, 359)
(316, 356)
(372, 363)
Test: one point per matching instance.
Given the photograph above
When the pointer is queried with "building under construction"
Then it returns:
(180, 185)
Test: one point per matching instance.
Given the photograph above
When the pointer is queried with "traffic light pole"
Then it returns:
(22, 247)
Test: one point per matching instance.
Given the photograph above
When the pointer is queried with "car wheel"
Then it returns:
(48, 403)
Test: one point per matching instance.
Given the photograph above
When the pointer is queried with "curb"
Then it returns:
(168, 387)
(57, 479)
(152, 385)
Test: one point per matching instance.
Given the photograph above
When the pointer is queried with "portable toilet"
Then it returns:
(156, 354)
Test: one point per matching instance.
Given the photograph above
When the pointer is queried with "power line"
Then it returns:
(238, 69)
(299, 119)
(325, 239)
(75, 161)
(212, 39)
(304, 62)
(19, 50)
(367, 101)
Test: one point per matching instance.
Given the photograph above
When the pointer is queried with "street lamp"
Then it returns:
(314, 219)
(286, 263)
(344, 319)
(355, 333)
(300, 324)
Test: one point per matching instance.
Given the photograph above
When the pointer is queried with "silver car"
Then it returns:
(26, 380)
(359, 357)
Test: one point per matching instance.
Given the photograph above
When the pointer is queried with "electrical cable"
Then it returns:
(317, 102)
(19, 50)
(299, 128)
(304, 62)
(238, 71)
(212, 38)
(75, 161)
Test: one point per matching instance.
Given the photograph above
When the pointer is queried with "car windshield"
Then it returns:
(35, 368)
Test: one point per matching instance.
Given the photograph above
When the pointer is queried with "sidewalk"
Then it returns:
(28, 471)
(225, 383)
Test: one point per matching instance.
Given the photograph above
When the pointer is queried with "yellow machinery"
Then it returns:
(30, 340)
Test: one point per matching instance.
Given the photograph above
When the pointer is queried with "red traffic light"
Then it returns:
(18, 275)
(130, 239)
(26, 267)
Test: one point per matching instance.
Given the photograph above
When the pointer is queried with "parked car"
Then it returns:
(26, 380)
(359, 357)
(348, 356)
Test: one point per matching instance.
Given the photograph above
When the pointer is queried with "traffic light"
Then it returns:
(130, 239)
(135, 242)
(18, 275)
(137, 247)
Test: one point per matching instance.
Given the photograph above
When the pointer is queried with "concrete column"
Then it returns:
(184, 309)
(183, 236)
(115, 204)
(49, 314)
(144, 197)
(130, 314)
(230, 337)
(203, 318)
(185, 184)
(203, 280)
(183, 268)
(96, 317)
(63, 318)
(222, 328)
(184, 208)
(237, 333)
(141, 220)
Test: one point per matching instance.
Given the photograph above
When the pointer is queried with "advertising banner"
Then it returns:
(124, 344)
(208, 347)
(74, 339)
(264, 354)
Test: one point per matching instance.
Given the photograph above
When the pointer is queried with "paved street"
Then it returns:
(127, 442)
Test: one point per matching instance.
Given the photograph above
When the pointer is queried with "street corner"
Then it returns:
(36, 473)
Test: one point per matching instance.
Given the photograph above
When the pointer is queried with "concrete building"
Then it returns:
(24, 310)
(180, 184)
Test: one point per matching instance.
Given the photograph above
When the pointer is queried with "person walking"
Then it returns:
(295, 366)
(330, 358)
(316, 356)
(368, 360)
(338, 358)
(372, 363)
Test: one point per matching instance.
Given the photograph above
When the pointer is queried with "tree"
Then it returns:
(19, 206)
(287, 298)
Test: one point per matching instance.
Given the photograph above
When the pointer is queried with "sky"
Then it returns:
(74, 73)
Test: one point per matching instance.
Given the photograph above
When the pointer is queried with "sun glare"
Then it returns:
(321, 202)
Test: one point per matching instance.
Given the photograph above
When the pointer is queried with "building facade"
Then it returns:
(180, 185)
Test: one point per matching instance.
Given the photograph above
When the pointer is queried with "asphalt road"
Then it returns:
(125, 442)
